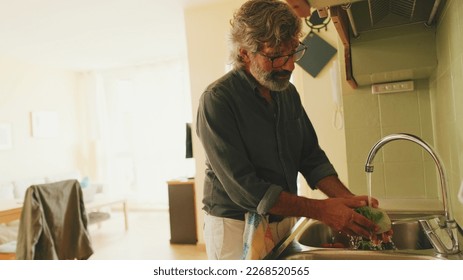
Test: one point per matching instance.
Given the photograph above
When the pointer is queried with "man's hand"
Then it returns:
(339, 214)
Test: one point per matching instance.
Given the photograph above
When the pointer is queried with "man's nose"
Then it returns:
(289, 65)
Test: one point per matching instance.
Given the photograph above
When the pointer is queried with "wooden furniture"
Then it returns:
(340, 22)
(10, 210)
(182, 212)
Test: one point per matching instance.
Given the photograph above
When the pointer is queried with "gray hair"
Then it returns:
(260, 22)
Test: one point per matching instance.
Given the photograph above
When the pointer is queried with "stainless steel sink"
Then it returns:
(335, 254)
(408, 234)
(312, 240)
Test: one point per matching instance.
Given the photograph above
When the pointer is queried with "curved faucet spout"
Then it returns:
(450, 224)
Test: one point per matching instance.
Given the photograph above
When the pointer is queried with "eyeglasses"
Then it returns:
(279, 61)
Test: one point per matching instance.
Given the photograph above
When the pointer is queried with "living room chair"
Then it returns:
(53, 224)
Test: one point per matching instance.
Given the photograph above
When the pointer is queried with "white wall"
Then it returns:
(24, 89)
(317, 97)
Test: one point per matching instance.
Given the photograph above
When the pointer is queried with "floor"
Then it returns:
(146, 239)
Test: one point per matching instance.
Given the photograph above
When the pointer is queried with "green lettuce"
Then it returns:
(378, 216)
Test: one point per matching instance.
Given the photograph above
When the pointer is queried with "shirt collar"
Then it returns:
(250, 80)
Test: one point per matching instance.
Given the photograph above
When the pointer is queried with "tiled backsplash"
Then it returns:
(402, 169)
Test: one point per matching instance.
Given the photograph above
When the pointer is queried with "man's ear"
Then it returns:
(244, 55)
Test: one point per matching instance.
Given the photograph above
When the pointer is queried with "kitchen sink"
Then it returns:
(313, 240)
(408, 234)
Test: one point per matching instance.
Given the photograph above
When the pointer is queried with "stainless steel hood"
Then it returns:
(367, 15)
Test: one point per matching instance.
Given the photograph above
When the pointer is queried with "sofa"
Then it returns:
(16, 189)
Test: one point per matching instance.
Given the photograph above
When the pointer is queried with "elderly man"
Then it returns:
(258, 137)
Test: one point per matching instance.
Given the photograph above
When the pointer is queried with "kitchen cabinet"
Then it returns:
(182, 211)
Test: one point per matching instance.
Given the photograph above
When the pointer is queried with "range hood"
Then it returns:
(385, 40)
(367, 15)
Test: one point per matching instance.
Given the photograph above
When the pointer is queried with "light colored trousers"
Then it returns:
(224, 236)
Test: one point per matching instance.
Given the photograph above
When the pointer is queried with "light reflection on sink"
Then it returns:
(334, 254)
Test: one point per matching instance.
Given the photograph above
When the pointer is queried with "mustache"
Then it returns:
(282, 73)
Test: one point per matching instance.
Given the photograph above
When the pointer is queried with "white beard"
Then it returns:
(266, 79)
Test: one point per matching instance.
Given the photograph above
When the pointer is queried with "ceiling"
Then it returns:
(84, 35)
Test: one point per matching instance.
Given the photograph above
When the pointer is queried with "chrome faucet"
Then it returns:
(443, 235)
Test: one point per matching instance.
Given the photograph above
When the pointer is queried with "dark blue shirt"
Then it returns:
(254, 149)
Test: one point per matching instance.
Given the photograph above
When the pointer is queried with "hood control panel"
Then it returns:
(392, 87)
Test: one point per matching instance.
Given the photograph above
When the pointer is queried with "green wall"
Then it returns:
(446, 91)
